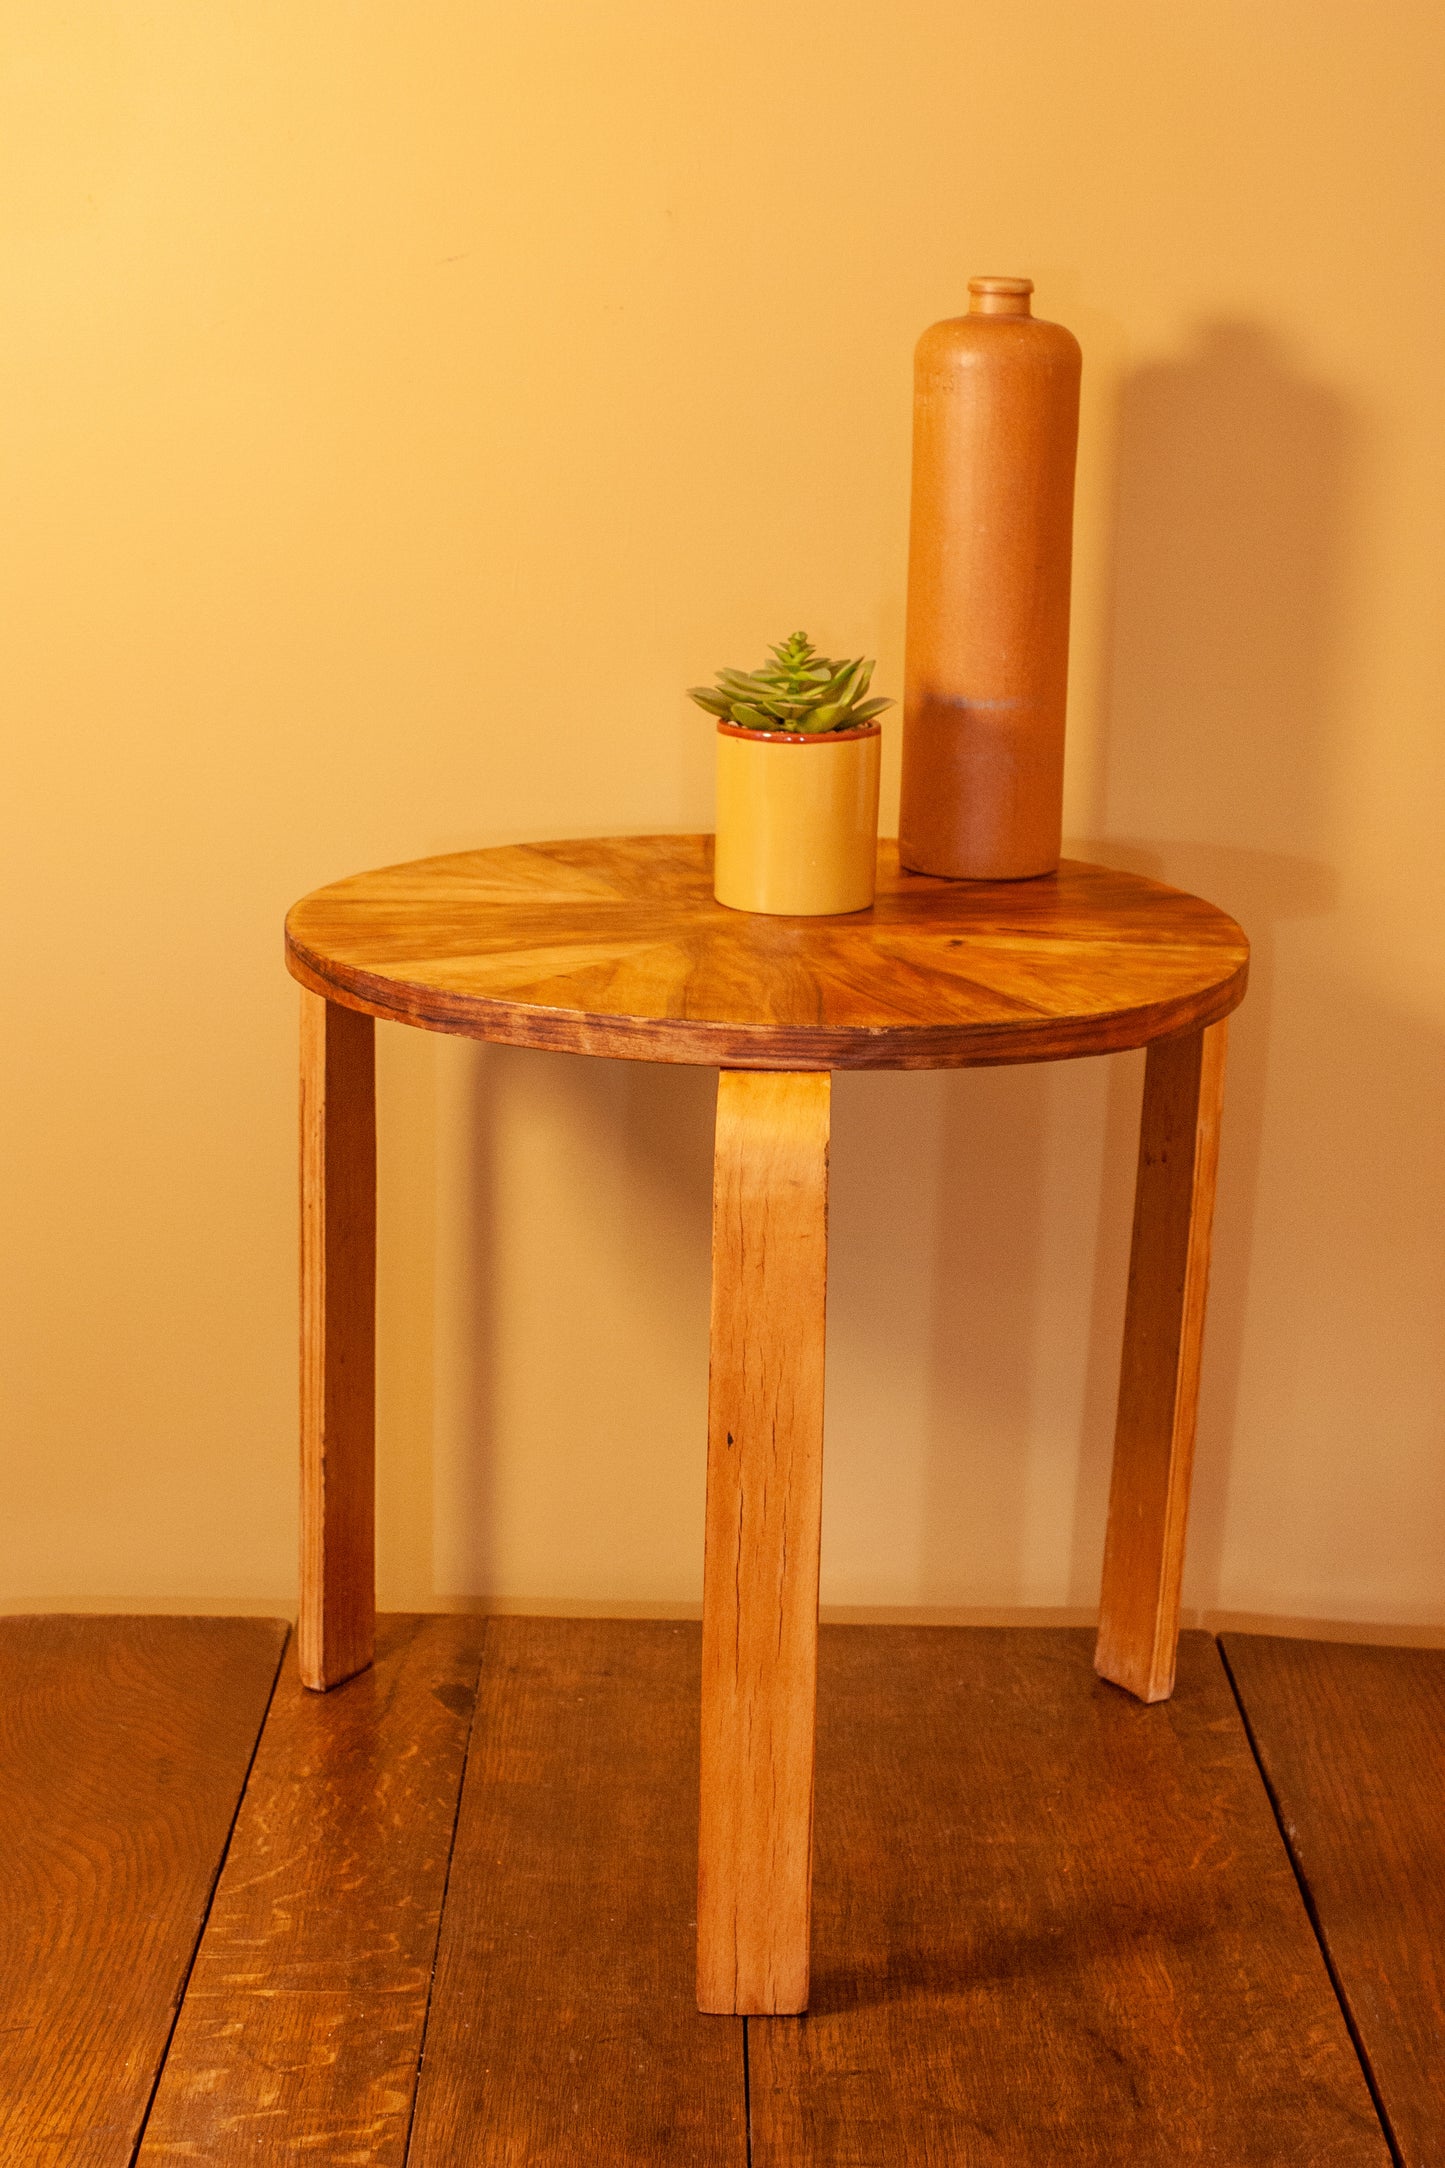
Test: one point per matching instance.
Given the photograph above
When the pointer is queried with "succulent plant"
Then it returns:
(797, 689)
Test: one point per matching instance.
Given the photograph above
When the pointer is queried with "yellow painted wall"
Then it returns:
(400, 405)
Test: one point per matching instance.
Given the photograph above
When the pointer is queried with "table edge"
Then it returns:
(699, 1043)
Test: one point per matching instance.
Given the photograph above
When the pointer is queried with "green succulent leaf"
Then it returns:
(795, 689)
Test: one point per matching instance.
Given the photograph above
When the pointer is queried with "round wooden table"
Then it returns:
(617, 947)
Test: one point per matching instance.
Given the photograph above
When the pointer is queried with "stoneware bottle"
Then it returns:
(995, 433)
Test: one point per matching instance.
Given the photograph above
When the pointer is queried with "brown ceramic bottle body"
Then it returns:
(995, 436)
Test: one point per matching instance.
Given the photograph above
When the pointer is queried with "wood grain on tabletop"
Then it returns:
(1159, 1375)
(1050, 1924)
(338, 1342)
(124, 1745)
(617, 947)
(302, 2025)
(764, 1512)
(1352, 1741)
(564, 2028)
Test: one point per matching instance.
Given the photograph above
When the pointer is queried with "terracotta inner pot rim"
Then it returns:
(801, 737)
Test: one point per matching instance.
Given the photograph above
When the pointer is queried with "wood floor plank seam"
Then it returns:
(1052, 1924)
(222, 1857)
(125, 1748)
(1353, 1739)
(1307, 1898)
(446, 1892)
(304, 2021)
(564, 2029)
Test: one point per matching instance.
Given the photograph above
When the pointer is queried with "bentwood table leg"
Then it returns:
(1159, 1380)
(336, 1629)
(764, 1508)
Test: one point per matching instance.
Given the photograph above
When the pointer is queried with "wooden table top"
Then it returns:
(615, 946)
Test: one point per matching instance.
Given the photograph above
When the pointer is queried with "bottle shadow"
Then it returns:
(1223, 713)
(1222, 689)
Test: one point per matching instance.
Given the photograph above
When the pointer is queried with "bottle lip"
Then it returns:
(999, 296)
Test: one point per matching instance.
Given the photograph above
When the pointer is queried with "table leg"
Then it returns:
(335, 1631)
(764, 1509)
(1159, 1380)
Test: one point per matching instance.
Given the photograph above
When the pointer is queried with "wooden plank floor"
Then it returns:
(564, 2025)
(1352, 1741)
(1051, 1925)
(124, 1745)
(308, 2001)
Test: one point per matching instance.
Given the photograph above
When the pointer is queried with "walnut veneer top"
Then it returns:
(617, 947)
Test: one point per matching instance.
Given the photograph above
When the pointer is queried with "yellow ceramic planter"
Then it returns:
(797, 820)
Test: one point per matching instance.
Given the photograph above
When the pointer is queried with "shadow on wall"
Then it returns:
(1225, 721)
(939, 1322)
(1234, 479)
(577, 1438)
(1221, 721)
